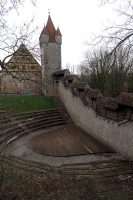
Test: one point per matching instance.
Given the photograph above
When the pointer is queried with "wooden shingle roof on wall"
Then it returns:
(71, 77)
(80, 85)
(61, 72)
(108, 102)
(93, 93)
(125, 99)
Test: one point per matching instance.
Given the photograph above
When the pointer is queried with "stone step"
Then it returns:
(36, 115)
(11, 129)
(4, 121)
(25, 121)
(26, 164)
(37, 167)
(34, 167)
(33, 129)
(100, 164)
(7, 126)
(11, 135)
(44, 116)
(46, 123)
(109, 170)
(96, 169)
(102, 169)
(26, 124)
(45, 120)
(111, 173)
(30, 114)
(3, 116)
(60, 106)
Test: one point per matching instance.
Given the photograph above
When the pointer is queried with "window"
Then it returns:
(13, 67)
(23, 67)
(27, 58)
(32, 67)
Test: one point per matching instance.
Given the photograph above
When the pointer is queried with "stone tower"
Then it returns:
(50, 45)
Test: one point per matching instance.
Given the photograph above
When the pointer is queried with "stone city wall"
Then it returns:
(117, 135)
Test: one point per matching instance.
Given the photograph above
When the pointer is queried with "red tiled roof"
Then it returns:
(50, 30)
(44, 31)
(58, 32)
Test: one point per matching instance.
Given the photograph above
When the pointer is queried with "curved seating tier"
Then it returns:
(17, 125)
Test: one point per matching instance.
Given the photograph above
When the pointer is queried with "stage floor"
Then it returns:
(67, 140)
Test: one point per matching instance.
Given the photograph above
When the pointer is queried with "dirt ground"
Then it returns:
(22, 185)
(67, 140)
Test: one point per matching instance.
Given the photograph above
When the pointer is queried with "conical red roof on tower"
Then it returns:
(44, 31)
(50, 30)
(58, 32)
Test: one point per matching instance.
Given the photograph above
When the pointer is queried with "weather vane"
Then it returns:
(49, 11)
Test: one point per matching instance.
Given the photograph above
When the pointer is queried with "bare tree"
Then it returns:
(10, 40)
(111, 69)
(108, 73)
(103, 2)
(119, 34)
(6, 6)
(12, 37)
(70, 67)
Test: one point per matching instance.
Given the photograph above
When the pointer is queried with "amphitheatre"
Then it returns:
(84, 133)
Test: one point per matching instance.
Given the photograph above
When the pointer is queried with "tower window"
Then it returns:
(23, 67)
(32, 67)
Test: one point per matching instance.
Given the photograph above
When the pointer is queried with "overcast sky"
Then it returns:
(78, 20)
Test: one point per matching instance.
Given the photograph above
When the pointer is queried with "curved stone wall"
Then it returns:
(117, 135)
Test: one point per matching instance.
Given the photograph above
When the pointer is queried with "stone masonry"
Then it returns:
(112, 133)
(50, 45)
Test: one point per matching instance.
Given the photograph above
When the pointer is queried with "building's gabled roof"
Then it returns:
(50, 30)
(21, 52)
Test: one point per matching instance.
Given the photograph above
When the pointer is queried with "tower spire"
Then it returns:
(50, 54)
(58, 31)
(51, 29)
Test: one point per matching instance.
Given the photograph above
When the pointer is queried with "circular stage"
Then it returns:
(67, 140)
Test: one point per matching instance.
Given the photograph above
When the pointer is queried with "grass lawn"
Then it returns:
(22, 103)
